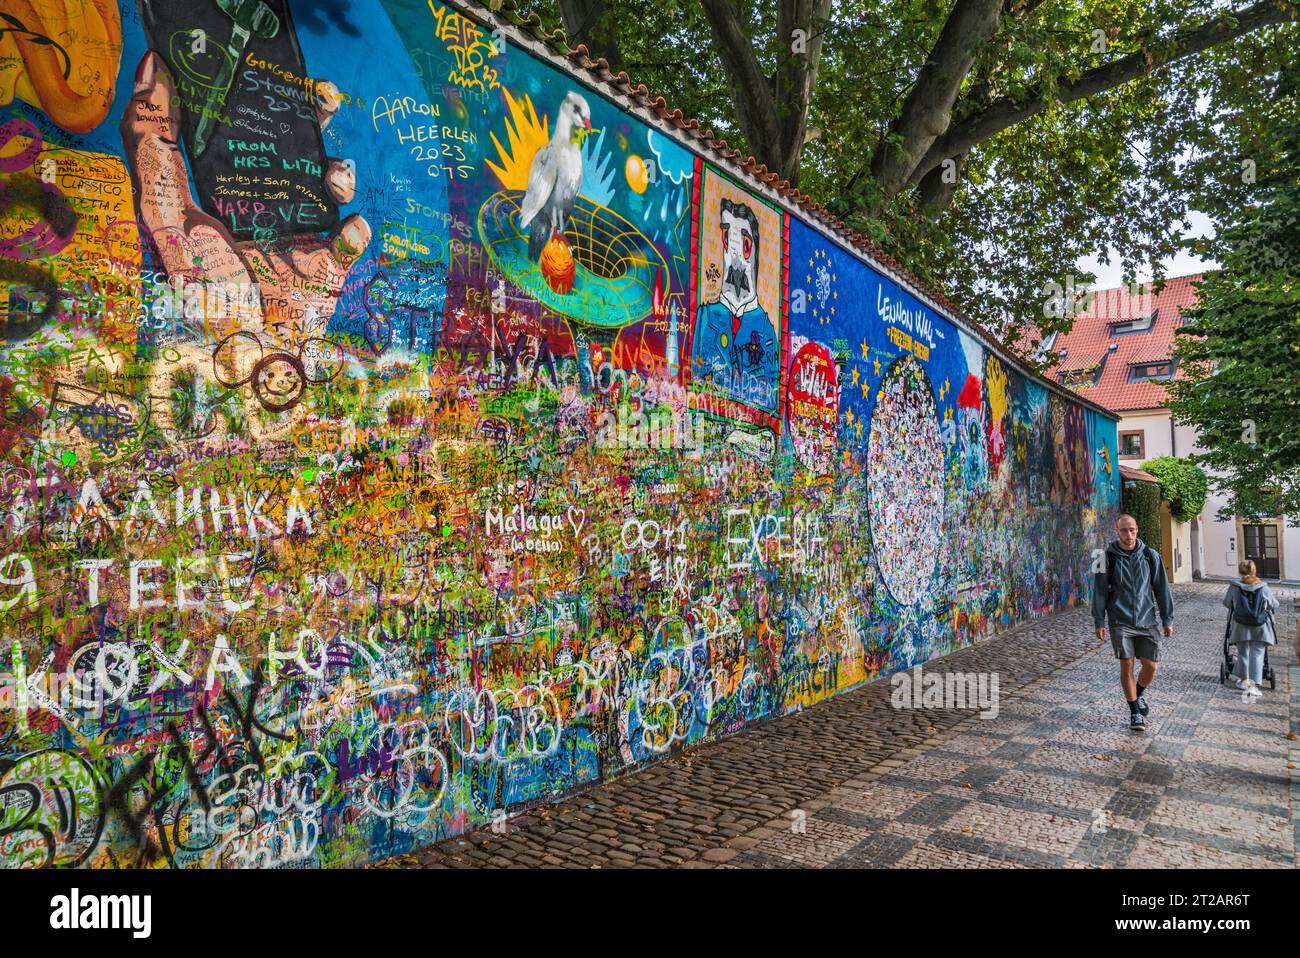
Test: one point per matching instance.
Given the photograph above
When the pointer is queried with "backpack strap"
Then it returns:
(1150, 556)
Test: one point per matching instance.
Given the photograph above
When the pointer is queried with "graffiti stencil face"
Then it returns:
(740, 261)
(736, 341)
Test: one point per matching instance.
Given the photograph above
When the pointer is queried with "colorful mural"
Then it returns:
(393, 441)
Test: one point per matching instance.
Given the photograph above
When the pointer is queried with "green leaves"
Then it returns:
(1141, 500)
(1244, 392)
(1183, 484)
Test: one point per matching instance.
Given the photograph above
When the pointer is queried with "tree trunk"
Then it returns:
(1007, 112)
(796, 78)
(928, 108)
(589, 22)
(938, 187)
(960, 138)
(772, 112)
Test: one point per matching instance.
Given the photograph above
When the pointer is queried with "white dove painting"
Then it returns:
(555, 177)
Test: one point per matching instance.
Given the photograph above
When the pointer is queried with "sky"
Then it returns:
(1110, 275)
(1183, 263)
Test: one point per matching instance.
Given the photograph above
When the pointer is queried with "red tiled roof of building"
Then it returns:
(1093, 339)
(1137, 475)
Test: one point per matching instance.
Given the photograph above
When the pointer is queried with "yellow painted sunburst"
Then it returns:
(527, 135)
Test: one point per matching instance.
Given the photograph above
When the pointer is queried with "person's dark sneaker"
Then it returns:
(1137, 722)
(1142, 704)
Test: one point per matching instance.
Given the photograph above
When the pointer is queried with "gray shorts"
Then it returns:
(1130, 642)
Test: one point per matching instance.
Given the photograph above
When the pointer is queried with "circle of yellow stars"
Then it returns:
(821, 254)
(856, 421)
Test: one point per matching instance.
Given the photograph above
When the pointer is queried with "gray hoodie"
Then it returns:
(1130, 587)
(1250, 633)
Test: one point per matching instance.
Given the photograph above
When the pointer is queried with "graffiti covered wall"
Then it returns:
(397, 432)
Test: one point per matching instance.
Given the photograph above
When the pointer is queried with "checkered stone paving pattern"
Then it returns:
(1058, 780)
(1055, 780)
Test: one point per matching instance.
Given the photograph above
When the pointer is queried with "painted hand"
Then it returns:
(197, 247)
(286, 291)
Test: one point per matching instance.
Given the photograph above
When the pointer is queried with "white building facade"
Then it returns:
(1119, 355)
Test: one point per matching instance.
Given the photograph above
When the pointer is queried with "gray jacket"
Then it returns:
(1130, 587)
(1250, 633)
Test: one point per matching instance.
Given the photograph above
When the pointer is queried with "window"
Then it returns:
(1090, 376)
(1132, 444)
(1143, 325)
(1080, 377)
(1150, 372)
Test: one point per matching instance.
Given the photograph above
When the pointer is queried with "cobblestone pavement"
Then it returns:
(1055, 780)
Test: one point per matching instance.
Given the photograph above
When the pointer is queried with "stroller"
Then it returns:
(1229, 664)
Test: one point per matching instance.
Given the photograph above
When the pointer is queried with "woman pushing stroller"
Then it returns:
(1251, 606)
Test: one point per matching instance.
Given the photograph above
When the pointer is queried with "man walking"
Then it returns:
(1127, 589)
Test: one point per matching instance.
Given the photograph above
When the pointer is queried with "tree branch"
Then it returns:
(936, 191)
(588, 22)
(796, 78)
(755, 105)
(927, 110)
(1008, 111)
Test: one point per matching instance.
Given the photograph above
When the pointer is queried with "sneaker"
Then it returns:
(1243, 684)
(1142, 704)
(1255, 690)
(1137, 722)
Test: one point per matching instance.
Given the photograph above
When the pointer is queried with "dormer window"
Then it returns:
(1081, 377)
(1127, 327)
(1150, 372)
(1087, 376)
(1045, 348)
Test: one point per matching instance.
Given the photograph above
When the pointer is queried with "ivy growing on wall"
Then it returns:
(1141, 500)
(1183, 484)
